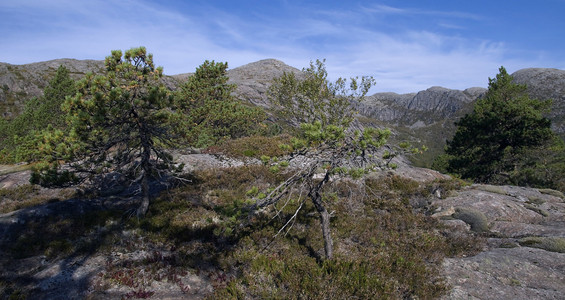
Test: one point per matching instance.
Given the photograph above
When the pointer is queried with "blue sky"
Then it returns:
(406, 45)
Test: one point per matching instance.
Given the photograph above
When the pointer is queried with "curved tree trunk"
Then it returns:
(142, 209)
(326, 233)
(324, 216)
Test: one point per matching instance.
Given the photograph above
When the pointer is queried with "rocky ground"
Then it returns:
(525, 254)
(523, 259)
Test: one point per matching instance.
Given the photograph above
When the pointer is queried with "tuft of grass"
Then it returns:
(515, 282)
(476, 219)
(9, 291)
(28, 195)
(8, 169)
(552, 244)
(552, 193)
(536, 209)
(535, 200)
(256, 146)
(508, 245)
(492, 189)
(62, 247)
(447, 187)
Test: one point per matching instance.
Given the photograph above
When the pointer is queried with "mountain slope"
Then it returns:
(427, 116)
(254, 79)
(22, 82)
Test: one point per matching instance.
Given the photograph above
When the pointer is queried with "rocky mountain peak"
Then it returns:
(545, 83)
(439, 99)
(253, 79)
(422, 113)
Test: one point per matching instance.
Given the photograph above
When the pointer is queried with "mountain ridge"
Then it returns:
(426, 116)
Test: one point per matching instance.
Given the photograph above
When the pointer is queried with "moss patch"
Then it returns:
(536, 209)
(535, 200)
(492, 189)
(553, 244)
(28, 195)
(476, 219)
(552, 193)
(8, 169)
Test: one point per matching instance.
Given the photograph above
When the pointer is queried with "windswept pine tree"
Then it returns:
(325, 138)
(117, 122)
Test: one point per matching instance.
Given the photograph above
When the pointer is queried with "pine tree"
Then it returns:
(39, 113)
(325, 139)
(213, 113)
(118, 122)
(491, 143)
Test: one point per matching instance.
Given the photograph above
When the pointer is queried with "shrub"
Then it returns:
(536, 209)
(256, 146)
(518, 150)
(476, 219)
(384, 248)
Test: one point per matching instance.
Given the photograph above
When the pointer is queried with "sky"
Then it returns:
(407, 46)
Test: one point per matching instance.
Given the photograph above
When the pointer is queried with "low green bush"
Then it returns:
(256, 146)
(476, 219)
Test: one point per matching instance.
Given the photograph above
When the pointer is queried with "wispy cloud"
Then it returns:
(405, 59)
(390, 10)
(385, 9)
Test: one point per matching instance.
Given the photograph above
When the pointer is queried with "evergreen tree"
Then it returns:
(213, 113)
(39, 113)
(118, 122)
(325, 138)
(492, 143)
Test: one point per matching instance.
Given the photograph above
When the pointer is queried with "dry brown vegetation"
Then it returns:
(384, 245)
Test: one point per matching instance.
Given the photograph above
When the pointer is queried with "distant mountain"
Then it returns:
(427, 116)
(22, 82)
(254, 79)
(424, 108)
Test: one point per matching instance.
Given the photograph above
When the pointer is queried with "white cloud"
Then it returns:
(406, 60)
(390, 10)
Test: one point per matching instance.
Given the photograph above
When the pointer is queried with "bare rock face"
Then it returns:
(507, 273)
(428, 116)
(426, 108)
(546, 84)
(525, 256)
(19, 83)
(254, 79)
(513, 212)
